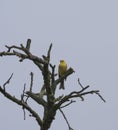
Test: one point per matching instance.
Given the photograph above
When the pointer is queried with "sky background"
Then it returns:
(85, 34)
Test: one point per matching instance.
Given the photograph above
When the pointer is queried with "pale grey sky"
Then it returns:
(85, 34)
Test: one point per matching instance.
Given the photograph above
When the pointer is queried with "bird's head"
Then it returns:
(61, 61)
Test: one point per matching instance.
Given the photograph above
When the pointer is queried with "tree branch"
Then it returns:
(28, 44)
(53, 73)
(49, 51)
(36, 98)
(21, 103)
(70, 102)
(69, 127)
(31, 84)
(7, 82)
(76, 94)
(26, 50)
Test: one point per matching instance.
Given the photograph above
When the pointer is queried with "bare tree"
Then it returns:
(51, 104)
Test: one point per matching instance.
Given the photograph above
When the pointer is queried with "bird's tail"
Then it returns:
(62, 85)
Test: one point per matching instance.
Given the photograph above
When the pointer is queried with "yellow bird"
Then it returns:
(61, 71)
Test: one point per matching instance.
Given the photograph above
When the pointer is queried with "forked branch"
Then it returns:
(20, 102)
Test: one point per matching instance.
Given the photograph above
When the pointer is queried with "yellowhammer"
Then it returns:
(61, 71)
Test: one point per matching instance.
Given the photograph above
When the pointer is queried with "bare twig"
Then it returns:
(31, 84)
(22, 95)
(80, 83)
(48, 55)
(72, 101)
(24, 113)
(7, 82)
(53, 73)
(12, 47)
(84, 88)
(47, 58)
(28, 44)
(100, 96)
(69, 127)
